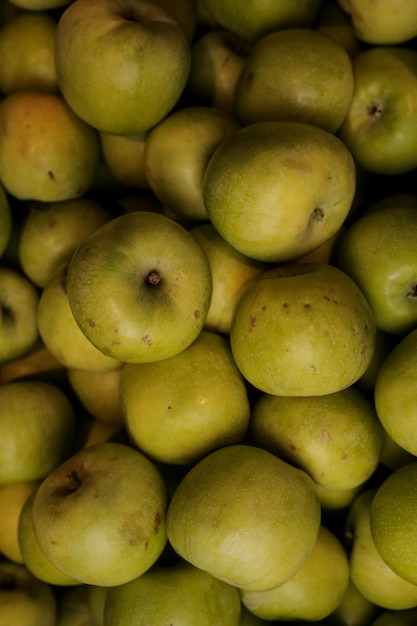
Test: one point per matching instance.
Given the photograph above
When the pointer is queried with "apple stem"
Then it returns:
(412, 292)
(153, 278)
(73, 481)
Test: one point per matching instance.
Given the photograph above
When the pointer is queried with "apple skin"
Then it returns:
(99, 393)
(279, 218)
(174, 594)
(236, 515)
(407, 617)
(378, 251)
(46, 152)
(93, 532)
(24, 599)
(382, 22)
(124, 156)
(153, 61)
(198, 397)
(302, 330)
(19, 300)
(12, 500)
(379, 126)
(296, 74)
(135, 298)
(39, 412)
(5, 221)
(334, 22)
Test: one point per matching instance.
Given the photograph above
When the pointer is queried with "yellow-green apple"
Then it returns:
(33, 557)
(37, 363)
(47, 153)
(393, 393)
(407, 617)
(134, 60)
(354, 609)
(230, 271)
(95, 531)
(96, 599)
(12, 500)
(377, 250)
(124, 156)
(217, 60)
(253, 20)
(296, 74)
(334, 22)
(18, 314)
(382, 22)
(393, 455)
(174, 594)
(279, 218)
(6, 221)
(37, 423)
(302, 329)
(39, 5)
(337, 438)
(184, 12)
(379, 126)
(52, 231)
(236, 514)
(195, 133)
(393, 516)
(198, 398)
(27, 50)
(73, 608)
(249, 619)
(98, 392)
(314, 592)
(336, 500)
(140, 287)
(368, 571)
(24, 599)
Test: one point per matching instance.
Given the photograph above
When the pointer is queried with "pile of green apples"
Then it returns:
(208, 312)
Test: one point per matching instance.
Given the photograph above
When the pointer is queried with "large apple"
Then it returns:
(379, 126)
(46, 152)
(140, 287)
(302, 329)
(277, 190)
(5, 221)
(37, 424)
(382, 22)
(121, 66)
(94, 530)
(296, 74)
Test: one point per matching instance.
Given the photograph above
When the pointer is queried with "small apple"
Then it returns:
(72, 607)
(98, 392)
(236, 515)
(379, 126)
(135, 92)
(334, 22)
(296, 74)
(19, 300)
(27, 50)
(354, 609)
(5, 221)
(46, 152)
(140, 287)
(39, 5)
(302, 329)
(177, 152)
(42, 414)
(124, 156)
(382, 22)
(276, 218)
(95, 531)
(12, 500)
(407, 617)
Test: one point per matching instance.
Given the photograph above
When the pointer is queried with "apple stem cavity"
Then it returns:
(375, 110)
(317, 214)
(412, 291)
(153, 278)
(73, 481)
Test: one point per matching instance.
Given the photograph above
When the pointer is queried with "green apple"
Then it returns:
(12, 499)
(368, 571)
(314, 592)
(354, 609)
(6, 221)
(252, 20)
(379, 126)
(393, 393)
(24, 599)
(249, 619)
(337, 438)
(279, 218)
(124, 156)
(177, 152)
(96, 599)
(121, 66)
(382, 22)
(184, 12)
(19, 300)
(72, 607)
(393, 455)
(407, 617)
(37, 363)
(296, 74)
(96, 531)
(236, 514)
(99, 392)
(378, 251)
(198, 398)
(39, 5)
(37, 413)
(60, 332)
(175, 594)
(217, 59)
(140, 287)
(33, 557)
(302, 329)
(230, 270)
(27, 50)
(47, 153)
(334, 22)
(51, 233)
(336, 500)
(393, 518)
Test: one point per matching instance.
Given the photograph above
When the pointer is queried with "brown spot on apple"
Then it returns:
(91, 323)
(51, 176)
(147, 339)
(157, 521)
